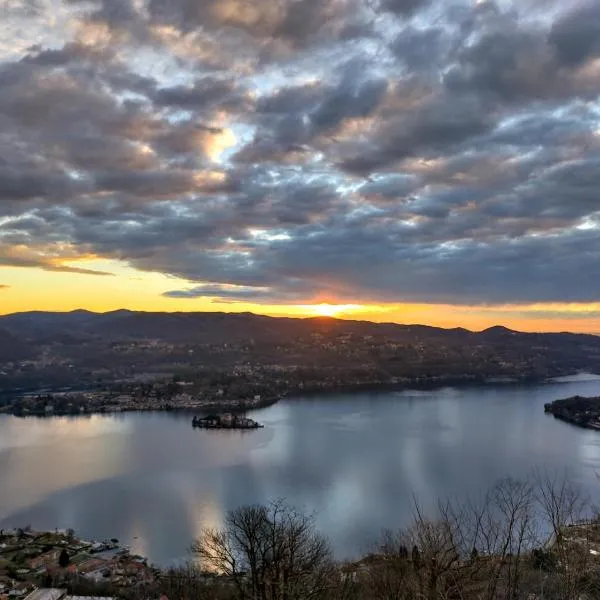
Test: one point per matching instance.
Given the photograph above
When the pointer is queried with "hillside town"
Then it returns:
(61, 561)
(139, 361)
(159, 395)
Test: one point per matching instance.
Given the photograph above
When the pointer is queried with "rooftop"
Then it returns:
(46, 594)
(87, 598)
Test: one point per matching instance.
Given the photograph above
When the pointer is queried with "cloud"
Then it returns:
(46, 266)
(204, 93)
(404, 8)
(299, 150)
(222, 292)
(4, 286)
(576, 35)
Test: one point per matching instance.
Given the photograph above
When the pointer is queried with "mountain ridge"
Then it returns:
(124, 313)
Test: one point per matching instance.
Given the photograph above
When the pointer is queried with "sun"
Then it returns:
(333, 310)
(327, 310)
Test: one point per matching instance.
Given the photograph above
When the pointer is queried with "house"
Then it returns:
(93, 564)
(47, 594)
(48, 559)
(20, 591)
(88, 598)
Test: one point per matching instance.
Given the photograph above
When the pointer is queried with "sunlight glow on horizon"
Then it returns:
(333, 310)
(36, 289)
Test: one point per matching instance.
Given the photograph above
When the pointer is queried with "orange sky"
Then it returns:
(36, 289)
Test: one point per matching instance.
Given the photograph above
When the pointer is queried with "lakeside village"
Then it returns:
(30, 560)
(38, 565)
(157, 395)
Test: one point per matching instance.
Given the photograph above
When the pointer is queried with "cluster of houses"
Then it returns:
(30, 558)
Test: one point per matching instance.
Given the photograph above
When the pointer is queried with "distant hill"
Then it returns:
(12, 347)
(216, 327)
(317, 353)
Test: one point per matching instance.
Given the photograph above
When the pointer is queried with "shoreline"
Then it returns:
(241, 406)
(580, 411)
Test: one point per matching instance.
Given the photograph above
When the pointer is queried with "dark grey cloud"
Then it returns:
(284, 151)
(22, 185)
(576, 35)
(421, 49)
(404, 8)
(352, 98)
(203, 94)
(436, 128)
(390, 187)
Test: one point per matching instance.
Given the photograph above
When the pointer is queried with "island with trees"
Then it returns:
(578, 410)
(225, 421)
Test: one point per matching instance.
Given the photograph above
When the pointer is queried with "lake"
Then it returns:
(357, 461)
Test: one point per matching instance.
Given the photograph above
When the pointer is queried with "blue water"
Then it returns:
(356, 461)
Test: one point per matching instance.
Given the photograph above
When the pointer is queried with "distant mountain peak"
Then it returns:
(499, 329)
(120, 311)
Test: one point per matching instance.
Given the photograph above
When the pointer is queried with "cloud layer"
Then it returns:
(303, 150)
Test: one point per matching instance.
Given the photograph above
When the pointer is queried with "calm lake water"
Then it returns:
(355, 460)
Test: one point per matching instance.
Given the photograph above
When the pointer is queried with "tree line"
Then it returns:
(523, 539)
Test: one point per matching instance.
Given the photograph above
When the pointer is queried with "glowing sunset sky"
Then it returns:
(393, 160)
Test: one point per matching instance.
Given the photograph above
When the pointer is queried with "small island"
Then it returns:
(578, 410)
(226, 421)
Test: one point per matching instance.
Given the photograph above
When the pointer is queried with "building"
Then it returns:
(47, 594)
(88, 598)
(48, 559)
(59, 594)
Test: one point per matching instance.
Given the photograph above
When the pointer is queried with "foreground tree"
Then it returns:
(269, 553)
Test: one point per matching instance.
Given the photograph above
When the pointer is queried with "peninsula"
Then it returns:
(578, 410)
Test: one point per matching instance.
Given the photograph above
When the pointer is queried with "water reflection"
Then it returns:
(356, 461)
(39, 457)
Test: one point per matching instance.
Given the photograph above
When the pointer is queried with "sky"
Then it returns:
(432, 161)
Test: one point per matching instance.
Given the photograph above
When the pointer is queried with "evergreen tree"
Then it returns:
(63, 559)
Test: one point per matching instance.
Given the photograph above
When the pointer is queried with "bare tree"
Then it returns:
(561, 502)
(390, 574)
(564, 507)
(438, 550)
(507, 531)
(269, 553)
(189, 582)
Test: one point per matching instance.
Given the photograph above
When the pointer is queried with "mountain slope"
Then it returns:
(78, 347)
(214, 327)
(12, 348)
